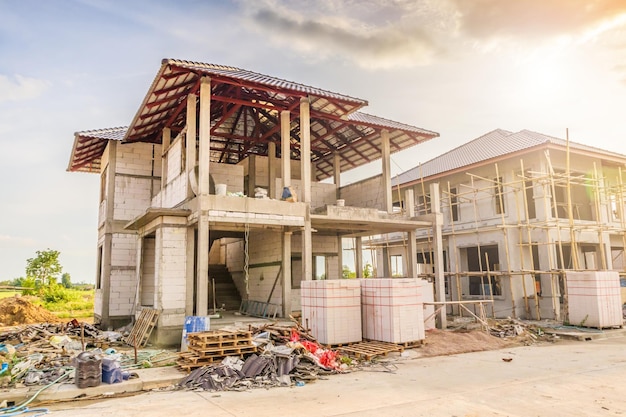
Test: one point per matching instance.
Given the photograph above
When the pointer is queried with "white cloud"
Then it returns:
(372, 34)
(18, 88)
(7, 241)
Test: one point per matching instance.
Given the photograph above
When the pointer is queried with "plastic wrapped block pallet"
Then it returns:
(594, 299)
(392, 310)
(332, 310)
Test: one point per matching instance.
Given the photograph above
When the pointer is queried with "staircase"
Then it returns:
(226, 292)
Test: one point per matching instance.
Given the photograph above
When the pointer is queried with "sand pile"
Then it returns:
(18, 310)
(440, 342)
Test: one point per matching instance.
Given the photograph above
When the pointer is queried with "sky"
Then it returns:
(458, 67)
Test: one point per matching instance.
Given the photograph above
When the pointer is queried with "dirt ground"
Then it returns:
(19, 310)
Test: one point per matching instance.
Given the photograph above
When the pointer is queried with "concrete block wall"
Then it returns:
(141, 159)
(265, 248)
(174, 161)
(367, 193)
(322, 194)
(132, 197)
(148, 268)
(123, 279)
(231, 175)
(173, 194)
(170, 259)
(136, 167)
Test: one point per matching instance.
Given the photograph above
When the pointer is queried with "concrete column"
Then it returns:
(285, 147)
(440, 285)
(138, 271)
(202, 265)
(305, 149)
(337, 173)
(386, 159)
(307, 249)
(286, 265)
(190, 271)
(205, 136)
(251, 175)
(190, 146)
(165, 141)
(358, 252)
(271, 168)
(411, 262)
(105, 278)
(340, 256)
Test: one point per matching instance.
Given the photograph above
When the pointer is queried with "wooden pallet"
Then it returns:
(367, 350)
(142, 329)
(222, 352)
(209, 347)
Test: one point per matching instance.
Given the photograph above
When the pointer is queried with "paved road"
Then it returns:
(564, 379)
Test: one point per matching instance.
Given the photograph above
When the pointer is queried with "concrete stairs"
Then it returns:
(226, 293)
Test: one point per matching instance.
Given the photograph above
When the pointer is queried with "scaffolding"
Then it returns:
(573, 206)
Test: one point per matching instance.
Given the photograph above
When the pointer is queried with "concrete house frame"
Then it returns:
(518, 210)
(183, 190)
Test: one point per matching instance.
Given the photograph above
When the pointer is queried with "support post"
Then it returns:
(202, 274)
(108, 235)
(190, 139)
(411, 262)
(189, 271)
(337, 173)
(440, 285)
(285, 147)
(358, 251)
(305, 149)
(165, 145)
(386, 160)
(271, 169)
(286, 266)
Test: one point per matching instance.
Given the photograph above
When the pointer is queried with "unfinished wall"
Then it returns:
(170, 256)
(366, 193)
(123, 279)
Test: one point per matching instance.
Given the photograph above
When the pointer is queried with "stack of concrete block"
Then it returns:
(331, 309)
(392, 310)
(594, 299)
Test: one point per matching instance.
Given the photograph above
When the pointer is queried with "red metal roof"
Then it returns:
(89, 146)
(245, 109)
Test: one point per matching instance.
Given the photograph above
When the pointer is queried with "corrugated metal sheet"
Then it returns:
(494, 144)
(241, 74)
(89, 146)
(369, 119)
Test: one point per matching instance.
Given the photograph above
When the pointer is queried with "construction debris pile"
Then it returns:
(284, 356)
(523, 332)
(39, 354)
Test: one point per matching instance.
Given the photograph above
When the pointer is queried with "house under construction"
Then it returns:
(214, 193)
(519, 210)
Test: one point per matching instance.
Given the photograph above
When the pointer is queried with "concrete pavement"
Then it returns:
(564, 379)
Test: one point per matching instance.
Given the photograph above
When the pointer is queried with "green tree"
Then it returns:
(367, 270)
(45, 268)
(347, 273)
(66, 280)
